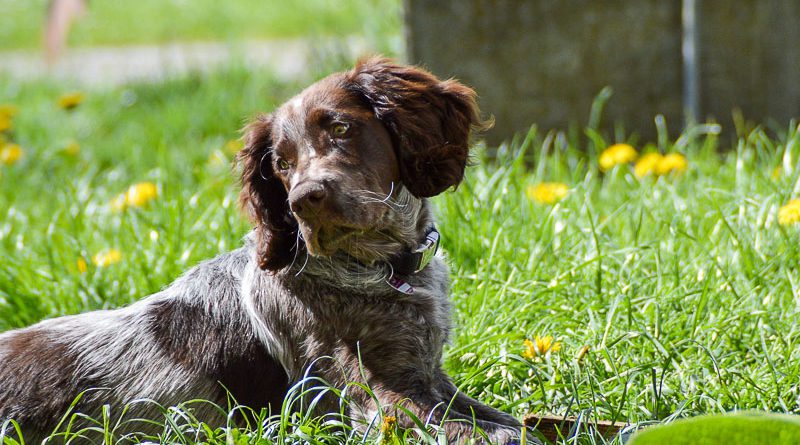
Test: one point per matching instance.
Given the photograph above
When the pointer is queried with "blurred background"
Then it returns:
(542, 61)
(106, 42)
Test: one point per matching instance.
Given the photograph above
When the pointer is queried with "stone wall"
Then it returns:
(544, 61)
(749, 58)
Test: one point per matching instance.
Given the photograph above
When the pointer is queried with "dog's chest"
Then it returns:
(384, 327)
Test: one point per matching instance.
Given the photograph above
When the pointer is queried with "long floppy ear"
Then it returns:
(429, 120)
(264, 198)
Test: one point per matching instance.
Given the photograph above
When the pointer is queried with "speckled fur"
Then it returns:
(257, 320)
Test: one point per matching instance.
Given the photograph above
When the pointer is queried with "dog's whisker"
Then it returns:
(369, 196)
(390, 203)
(391, 190)
(296, 247)
(303, 267)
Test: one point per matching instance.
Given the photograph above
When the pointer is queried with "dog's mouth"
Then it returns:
(325, 240)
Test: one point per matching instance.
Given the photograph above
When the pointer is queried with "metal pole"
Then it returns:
(691, 74)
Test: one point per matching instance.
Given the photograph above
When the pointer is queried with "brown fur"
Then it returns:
(335, 181)
(428, 122)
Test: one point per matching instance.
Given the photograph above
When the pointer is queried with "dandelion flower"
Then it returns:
(7, 113)
(673, 162)
(137, 195)
(141, 193)
(647, 164)
(657, 164)
(71, 149)
(8, 110)
(82, 266)
(107, 258)
(10, 154)
(70, 100)
(388, 426)
(540, 347)
(790, 213)
(5, 123)
(547, 192)
(233, 146)
(617, 154)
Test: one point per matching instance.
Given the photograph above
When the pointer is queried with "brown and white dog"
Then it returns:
(337, 281)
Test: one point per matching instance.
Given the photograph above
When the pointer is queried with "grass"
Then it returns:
(160, 21)
(684, 287)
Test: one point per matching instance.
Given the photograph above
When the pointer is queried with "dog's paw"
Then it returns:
(513, 437)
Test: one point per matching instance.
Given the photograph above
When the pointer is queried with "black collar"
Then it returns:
(413, 261)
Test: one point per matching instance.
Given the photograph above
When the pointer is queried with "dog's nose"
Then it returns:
(307, 199)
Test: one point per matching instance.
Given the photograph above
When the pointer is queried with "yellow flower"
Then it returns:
(82, 266)
(141, 193)
(107, 258)
(388, 426)
(70, 100)
(657, 164)
(71, 149)
(790, 213)
(617, 154)
(647, 164)
(540, 347)
(673, 162)
(10, 154)
(137, 195)
(8, 110)
(547, 192)
(776, 173)
(233, 146)
(5, 123)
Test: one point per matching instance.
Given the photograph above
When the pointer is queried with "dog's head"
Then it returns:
(327, 161)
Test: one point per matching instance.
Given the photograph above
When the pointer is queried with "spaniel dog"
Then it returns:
(338, 281)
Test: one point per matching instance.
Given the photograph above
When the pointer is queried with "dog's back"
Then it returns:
(192, 340)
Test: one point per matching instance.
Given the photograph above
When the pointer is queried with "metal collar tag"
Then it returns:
(427, 250)
(413, 262)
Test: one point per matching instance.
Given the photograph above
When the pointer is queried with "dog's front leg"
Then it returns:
(432, 408)
(469, 406)
(493, 419)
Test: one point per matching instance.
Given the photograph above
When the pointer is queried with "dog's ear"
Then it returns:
(430, 121)
(264, 198)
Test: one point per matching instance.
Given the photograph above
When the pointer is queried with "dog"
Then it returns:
(339, 279)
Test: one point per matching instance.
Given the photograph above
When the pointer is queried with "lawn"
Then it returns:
(668, 296)
(160, 21)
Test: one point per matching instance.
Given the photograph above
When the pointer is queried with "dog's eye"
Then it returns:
(339, 129)
(283, 164)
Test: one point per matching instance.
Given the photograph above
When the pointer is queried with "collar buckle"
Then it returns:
(414, 261)
(425, 252)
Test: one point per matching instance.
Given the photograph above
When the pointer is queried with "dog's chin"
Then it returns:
(325, 241)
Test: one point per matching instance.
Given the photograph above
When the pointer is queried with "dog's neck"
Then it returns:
(405, 227)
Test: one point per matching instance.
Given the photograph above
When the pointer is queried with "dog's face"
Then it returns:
(336, 162)
(326, 162)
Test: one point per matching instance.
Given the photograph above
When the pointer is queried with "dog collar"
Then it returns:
(413, 261)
